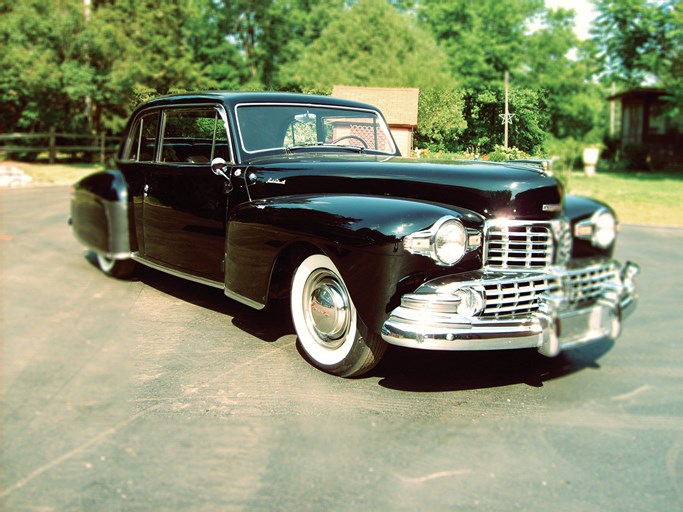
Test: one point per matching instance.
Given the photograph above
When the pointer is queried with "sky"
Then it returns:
(584, 14)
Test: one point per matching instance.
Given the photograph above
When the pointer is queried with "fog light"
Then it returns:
(471, 301)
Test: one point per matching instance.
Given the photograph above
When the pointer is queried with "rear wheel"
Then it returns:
(115, 268)
(331, 334)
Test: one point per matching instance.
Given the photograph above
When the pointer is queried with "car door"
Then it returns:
(184, 202)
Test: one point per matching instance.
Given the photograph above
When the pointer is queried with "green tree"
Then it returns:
(45, 76)
(482, 111)
(393, 53)
(440, 118)
(272, 33)
(637, 39)
(641, 40)
(482, 39)
(575, 102)
(74, 70)
(221, 62)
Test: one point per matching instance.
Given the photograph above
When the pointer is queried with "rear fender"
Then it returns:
(363, 236)
(99, 214)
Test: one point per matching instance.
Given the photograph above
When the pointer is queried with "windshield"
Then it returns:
(289, 127)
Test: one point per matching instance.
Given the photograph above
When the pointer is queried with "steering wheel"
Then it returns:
(355, 137)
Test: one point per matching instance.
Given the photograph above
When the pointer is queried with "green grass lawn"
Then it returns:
(637, 197)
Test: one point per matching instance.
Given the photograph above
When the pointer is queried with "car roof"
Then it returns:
(231, 98)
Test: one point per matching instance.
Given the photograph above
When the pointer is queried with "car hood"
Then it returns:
(490, 189)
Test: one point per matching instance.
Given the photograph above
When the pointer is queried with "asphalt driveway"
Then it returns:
(157, 394)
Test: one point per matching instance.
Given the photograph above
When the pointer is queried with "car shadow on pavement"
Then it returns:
(269, 324)
(428, 371)
(401, 368)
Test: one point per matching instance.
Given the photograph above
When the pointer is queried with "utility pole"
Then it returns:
(507, 111)
(613, 112)
(88, 106)
(507, 117)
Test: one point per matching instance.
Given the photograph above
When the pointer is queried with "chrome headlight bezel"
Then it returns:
(601, 228)
(446, 241)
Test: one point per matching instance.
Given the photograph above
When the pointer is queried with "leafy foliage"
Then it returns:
(70, 70)
(483, 108)
(484, 38)
(637, 38)
(440, 118)
(641, 40)
(395, 53)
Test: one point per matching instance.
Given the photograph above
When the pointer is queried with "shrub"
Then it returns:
(503, 154)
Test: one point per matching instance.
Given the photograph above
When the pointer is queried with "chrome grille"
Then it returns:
(509, 298)
(513, 297)
(586, 284)
(519, 245)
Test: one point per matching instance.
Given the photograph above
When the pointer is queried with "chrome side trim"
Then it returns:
(201, 280)
(177, 273)
(244, 300)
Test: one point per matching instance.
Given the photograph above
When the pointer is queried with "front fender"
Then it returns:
(99, 213)
(361, 235)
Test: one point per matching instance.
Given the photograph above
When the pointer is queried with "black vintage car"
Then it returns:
(268, 195)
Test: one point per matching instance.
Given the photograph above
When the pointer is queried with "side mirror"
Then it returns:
(218, 167)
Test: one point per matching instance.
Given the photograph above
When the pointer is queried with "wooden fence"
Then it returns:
(58, 144)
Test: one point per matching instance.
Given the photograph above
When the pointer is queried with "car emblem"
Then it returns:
(275, 181)
(552, 207)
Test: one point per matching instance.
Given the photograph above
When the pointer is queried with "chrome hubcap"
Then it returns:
(327, 309)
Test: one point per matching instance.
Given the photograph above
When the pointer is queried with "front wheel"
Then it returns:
(331, 334)
(115, 268)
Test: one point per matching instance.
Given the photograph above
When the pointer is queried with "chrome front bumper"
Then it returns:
(551, 312)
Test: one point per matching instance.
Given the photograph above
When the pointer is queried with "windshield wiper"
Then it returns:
(294, 147)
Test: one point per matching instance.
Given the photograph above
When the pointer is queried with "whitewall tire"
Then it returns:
(115, 268)
(331, 334)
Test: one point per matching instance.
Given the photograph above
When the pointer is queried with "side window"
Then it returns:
(193, 136)
(142, 142)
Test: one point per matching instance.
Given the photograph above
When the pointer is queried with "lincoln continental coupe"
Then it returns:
(307, 199)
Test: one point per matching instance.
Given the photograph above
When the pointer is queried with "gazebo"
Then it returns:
(647, 124)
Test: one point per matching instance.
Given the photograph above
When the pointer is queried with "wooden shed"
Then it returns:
(647, 123)
(399, 106)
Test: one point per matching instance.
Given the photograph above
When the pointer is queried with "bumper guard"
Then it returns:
(555, 321)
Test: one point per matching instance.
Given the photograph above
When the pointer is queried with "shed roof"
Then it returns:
(399, 105)
(638, 92)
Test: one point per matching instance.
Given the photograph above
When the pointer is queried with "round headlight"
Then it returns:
(449, 242)
(604, 229)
